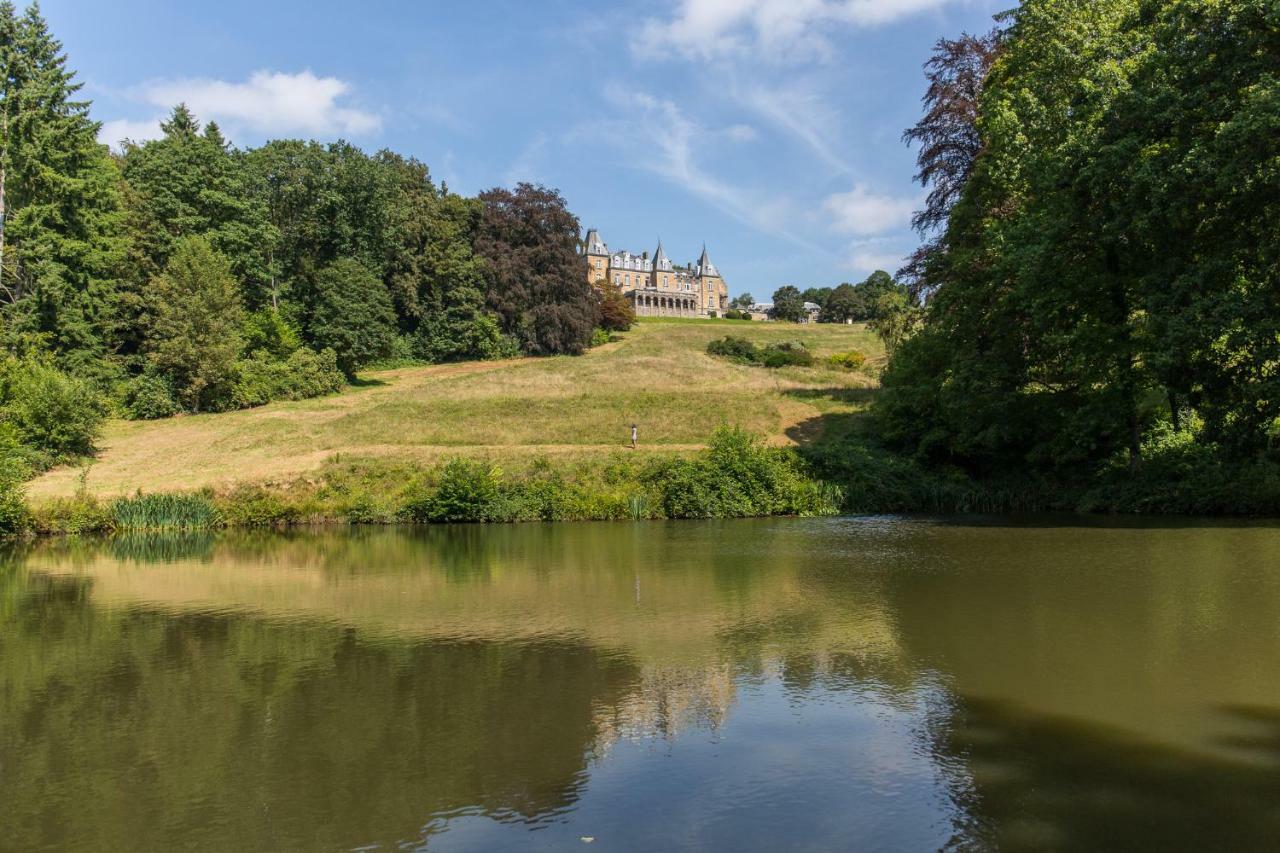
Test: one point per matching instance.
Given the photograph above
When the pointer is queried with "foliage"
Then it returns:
(467, 491)
(616, 312)
(267, 331)
(735, 349)
(305, 374)
(743, 301)
(740, 477)
(194, 338)
(61, 244)
(896, 320)
(536, 280)
(164, 512)
(352, 315)
(788, 304)
(779, 354)
(49, 410)
(851, 360)
(149, 396)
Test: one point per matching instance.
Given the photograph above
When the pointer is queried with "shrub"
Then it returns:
(599, 338)
(255, 506)
(267, 331)
(73, 516)
(738, 477)
(735, 349)
(851, 360)
(786, 354)
(150, 397)
(50, 410)
(165, 512)
(467, 491)
(305, 374)
(616, 312)
(13, 510)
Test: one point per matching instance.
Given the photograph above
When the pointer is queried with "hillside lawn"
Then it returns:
(515, 412)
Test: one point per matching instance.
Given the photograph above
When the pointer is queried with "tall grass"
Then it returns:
(165, 512)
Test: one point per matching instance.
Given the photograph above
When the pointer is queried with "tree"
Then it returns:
(895, 321)
(352, 315)
(190, 182)
(61, 245)
(818, 296)
(843, 305)
(536, 279)
(743, 301)
(194, 338)
(616, 311)
(788, 304)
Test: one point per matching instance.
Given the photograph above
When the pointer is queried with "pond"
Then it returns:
(868, 684)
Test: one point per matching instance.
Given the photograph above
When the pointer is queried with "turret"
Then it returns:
(705, 267)
(661, 263)
(596, 246)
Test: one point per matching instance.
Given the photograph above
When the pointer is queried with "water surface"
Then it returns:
(869, 684)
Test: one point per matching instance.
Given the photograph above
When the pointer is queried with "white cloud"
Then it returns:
(742, 133)
(799, 111)
(660, 138)
(269, 102)
(118, 130)
(862, 213)
(773, 30)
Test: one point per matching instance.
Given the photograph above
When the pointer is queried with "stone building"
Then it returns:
(656, 286)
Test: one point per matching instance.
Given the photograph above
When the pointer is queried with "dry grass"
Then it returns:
(658, 377)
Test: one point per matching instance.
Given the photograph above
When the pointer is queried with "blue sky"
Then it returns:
(767, 128)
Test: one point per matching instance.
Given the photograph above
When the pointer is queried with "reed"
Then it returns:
(165, 512)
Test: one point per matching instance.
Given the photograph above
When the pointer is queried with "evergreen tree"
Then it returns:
(61, 241)
(195, 336)
(191, 183)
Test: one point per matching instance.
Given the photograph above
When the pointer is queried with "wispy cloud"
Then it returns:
(769, 30)
(798, 110)
(660, 138)
(864, 213)
(268, 103)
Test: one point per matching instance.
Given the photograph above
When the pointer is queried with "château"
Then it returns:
(655, 286)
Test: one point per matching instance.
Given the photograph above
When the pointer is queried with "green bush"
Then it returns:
(73, 516)
(268, 332)
(786, 354)
(305, 374)
(467, 491)
(165, 512)
(851, 360)
(150, 397)
(735, 349)
(13, 510)
(255, 506)
(599, 338)
(48, 409)
(740, 477)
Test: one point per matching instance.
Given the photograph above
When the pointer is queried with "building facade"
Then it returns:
(655, 286)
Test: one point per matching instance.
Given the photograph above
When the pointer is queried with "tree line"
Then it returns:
(866, 301)
(1101, 278)
(186, 274)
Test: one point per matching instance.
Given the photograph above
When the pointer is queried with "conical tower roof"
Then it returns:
(660, 259)
(705, 267)
(595, 246)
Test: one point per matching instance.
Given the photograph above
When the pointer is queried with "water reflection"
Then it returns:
(749, 685)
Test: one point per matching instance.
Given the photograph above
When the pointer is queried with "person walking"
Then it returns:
(635, 435)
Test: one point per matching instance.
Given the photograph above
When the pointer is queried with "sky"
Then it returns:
(768, 129)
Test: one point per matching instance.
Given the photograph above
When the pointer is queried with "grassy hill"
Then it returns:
(657, 376)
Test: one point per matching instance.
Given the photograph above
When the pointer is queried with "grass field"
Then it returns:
(657, 376)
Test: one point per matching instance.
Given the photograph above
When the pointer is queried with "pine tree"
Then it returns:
(61, 244)
(192, 183)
